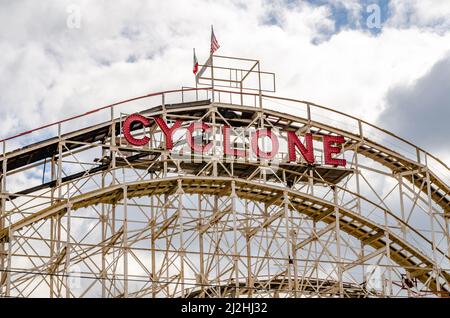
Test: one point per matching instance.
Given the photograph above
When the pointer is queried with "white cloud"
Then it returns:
(432, 14)
(128, 48)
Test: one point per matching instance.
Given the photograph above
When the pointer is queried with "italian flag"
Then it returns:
(195, 67)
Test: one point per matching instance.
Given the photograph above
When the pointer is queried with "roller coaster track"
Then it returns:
(404, 253)
(356, 225)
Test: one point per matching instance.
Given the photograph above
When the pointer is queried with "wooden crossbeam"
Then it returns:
(165, 225)
(266, 223)
(316, 235)
(215, 218)
(113, 240)
(364, 259)
(54, 266)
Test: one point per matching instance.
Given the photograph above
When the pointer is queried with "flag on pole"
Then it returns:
(214, 44)
(195, 67)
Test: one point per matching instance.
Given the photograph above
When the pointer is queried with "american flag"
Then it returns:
(214, 44)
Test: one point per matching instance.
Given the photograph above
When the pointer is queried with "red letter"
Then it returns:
(127, 129)
(265, 133)
(168, 132)
(190, 139)
(329, 150)
(226, 144)
(307, 152)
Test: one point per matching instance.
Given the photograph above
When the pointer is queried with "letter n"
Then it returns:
(306, 151)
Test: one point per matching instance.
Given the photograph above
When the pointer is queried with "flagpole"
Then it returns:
(212, 67)
(196, 86)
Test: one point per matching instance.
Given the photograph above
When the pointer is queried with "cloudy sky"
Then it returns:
(385, 61)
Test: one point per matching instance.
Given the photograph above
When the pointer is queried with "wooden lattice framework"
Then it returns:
(112, 220)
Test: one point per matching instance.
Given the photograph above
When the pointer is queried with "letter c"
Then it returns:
(127, 129)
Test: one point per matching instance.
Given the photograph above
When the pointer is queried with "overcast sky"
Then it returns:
(64, 57)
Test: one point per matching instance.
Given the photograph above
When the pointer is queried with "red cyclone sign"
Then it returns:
(331, 144)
